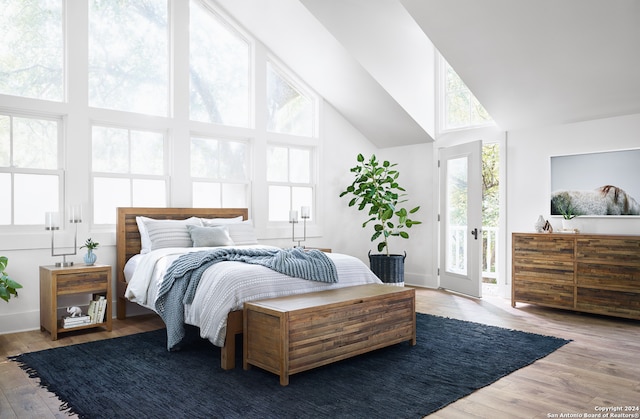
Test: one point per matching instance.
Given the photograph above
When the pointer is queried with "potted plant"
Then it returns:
(375, 189)
(90, 257)
(562, 204)
(8, 286)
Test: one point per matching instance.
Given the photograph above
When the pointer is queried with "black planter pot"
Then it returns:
(390, 269)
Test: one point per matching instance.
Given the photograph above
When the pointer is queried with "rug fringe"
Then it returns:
(64, 407)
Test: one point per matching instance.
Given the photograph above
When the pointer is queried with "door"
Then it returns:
(461, 218)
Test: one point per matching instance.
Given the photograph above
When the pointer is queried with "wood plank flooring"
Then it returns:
(600, 368)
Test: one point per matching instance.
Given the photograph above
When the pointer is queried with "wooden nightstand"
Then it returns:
(79, 279)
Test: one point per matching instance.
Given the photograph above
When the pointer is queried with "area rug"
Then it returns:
(135, 376)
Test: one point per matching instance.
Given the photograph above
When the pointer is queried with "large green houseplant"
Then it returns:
(8, 286)
(375, 189)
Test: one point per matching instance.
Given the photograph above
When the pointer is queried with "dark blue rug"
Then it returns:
(135, 376)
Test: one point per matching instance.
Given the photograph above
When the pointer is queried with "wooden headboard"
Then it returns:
(128, 237)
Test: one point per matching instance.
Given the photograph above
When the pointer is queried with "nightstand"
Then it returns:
(77, 279)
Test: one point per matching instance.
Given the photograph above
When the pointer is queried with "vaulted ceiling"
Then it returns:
(530, 63)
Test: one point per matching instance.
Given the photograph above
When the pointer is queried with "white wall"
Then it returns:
(416, 167)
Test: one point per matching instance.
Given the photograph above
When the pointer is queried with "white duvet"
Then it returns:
(225, 286)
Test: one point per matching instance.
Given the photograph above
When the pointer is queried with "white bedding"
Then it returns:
(225, 286)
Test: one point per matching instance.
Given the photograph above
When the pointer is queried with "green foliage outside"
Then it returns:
(490, 185)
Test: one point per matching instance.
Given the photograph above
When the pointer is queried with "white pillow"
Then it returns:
(242, 233)
(220, 221)
(210, 236)
(158, 234)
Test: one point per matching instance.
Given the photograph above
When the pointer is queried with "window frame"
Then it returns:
(248, 143)
(12, 170)
(168, 88)
(442, 101)
(301, 87)
(131, 177)
(228, 23)
(312, 184)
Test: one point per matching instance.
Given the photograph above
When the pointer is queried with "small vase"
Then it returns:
(90, 258)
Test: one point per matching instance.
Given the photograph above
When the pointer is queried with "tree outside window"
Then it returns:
(461, 108)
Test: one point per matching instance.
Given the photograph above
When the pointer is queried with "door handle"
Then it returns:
(475, 233)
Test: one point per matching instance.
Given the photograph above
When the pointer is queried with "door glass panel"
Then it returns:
(457, 215)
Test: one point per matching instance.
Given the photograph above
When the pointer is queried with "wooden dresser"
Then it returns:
(592, 273)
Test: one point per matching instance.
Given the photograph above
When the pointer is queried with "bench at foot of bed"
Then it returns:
(296, 333)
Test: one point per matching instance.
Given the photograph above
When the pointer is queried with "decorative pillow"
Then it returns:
(242, 233)
(210, 236)
(207, 222)
(158, 234)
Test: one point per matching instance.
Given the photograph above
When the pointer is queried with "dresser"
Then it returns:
(591, 273)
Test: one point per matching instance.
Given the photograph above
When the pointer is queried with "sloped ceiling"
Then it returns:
(530, 63)
(543, 62)
(296, 37)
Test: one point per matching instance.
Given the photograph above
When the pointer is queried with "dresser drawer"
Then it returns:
(543, 247)
(618, 277)
(609, 250)
(612, 303)
(547, 271)
(545, 294)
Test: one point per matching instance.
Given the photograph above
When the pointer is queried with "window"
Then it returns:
(290, 180)
(289, 111)
(128, 56)
(219, 70)
(128, 170)
(461, 108)
(220, 173)
(32, 49)
(30, 175)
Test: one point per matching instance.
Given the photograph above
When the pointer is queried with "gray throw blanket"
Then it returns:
(181, 279)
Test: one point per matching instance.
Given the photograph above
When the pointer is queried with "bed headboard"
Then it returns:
(128, 237)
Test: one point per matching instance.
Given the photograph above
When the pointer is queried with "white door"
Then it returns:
(461, 218)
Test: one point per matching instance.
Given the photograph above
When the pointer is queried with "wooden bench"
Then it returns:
(296, 333)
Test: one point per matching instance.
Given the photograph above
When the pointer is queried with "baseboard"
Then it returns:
(19, 322)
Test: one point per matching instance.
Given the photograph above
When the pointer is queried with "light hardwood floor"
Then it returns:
(599, 368)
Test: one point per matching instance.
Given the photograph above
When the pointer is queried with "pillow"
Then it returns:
(220, 221)
(209, 236)
(242, 233)
(158, 234)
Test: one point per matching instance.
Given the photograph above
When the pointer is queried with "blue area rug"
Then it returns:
(135, 376)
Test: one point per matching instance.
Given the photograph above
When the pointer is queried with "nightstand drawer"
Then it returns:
(81, 282)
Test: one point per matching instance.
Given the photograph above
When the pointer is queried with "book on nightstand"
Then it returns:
(69, 322)
(101, 307)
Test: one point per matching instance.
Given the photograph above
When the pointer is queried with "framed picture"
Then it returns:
(596, 184)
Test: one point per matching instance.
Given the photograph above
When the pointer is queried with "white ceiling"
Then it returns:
(533, 63)
(530, 63)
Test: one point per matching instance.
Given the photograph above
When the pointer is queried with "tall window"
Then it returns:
(219, 173)
(290, 179)
(32, 49)
(128, 170)
(461, 108)
(30, 174)
(128, 55)
(289, 110)
(219, 70)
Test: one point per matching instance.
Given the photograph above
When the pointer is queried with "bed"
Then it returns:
(129, 246)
